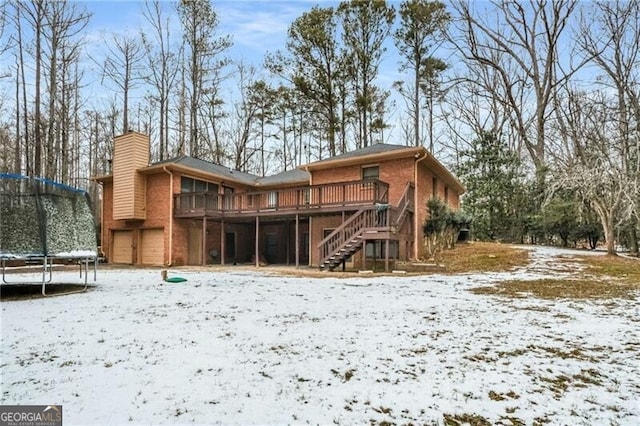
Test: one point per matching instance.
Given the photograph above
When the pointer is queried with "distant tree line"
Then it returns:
(535, 104)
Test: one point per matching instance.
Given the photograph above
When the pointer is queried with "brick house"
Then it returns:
(354, 209)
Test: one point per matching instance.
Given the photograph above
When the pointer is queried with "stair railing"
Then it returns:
(351, 228)
(405, 205)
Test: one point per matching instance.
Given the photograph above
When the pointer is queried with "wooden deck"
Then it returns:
(311, 199)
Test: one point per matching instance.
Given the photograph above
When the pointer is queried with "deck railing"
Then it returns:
(405, 206)
(354, 193)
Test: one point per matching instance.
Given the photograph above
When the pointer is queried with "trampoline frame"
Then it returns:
(47, 264)
(43, 258)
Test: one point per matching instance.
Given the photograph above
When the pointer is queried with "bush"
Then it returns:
(442, 227)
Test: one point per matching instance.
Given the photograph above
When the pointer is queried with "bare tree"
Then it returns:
(366, 24)
(163, 66)
(22, 137)
(474, 106)
(123, 66)
(241, 127)
(423, 23)
(591, 160)
(521, 43)
(34, 13)
(63, 22)
(199, 24)
(5, 38)
(610, 34)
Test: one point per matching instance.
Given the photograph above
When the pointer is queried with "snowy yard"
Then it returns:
(244, 347)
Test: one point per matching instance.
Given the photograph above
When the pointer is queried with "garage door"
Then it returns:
(122, 250)
(152, 247)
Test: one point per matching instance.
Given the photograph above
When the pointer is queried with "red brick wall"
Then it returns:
(425, 192)
(107, 217)
(318, 224)
(394, 172)
(157, 214)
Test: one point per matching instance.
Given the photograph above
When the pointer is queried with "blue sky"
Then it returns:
(256, 26)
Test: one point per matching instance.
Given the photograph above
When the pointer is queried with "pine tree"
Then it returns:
(490, 172)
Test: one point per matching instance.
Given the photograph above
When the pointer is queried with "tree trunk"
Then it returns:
(37, 161)
(633, 236)
(17, 165)
(609, 234)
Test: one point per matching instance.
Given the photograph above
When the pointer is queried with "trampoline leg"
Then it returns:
(49, 262)
(4, 279)
(44, 276)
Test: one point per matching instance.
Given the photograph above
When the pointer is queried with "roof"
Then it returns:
(206, 166)
(300, 176)
(289, 177)
(371, 152)
(295, 176)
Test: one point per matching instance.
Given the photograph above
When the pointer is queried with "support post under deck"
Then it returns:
(297, 240)
(257, 241)
(222, 242)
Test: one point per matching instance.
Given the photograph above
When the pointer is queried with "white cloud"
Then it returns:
(258, 27)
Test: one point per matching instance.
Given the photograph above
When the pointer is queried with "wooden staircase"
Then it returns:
(348, 238)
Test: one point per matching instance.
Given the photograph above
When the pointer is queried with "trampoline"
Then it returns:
(43, 222)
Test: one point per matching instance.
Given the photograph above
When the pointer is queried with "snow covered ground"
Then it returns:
(245, 347)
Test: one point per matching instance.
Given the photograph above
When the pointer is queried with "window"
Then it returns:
(272, 199)
(446, 194)
(434, 187)
(371, 172)
(326, 232)
(188, 185)
(375, 249)
(195, 186)
(228, 198)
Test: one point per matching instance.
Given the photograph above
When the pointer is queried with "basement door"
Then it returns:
(195, 246)
(271, 253)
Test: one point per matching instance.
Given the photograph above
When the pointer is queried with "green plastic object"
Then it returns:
(175, 280)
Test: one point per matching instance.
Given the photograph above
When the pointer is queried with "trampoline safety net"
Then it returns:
(42, 218)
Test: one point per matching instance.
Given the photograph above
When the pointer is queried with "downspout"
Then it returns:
(103, 232)
(310, 245)
(170, 215)
(415, 205)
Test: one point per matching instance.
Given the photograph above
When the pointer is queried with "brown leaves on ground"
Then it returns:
(601, 277)
(483, 257)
